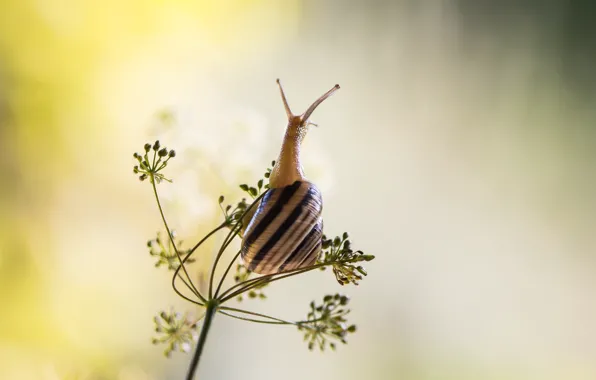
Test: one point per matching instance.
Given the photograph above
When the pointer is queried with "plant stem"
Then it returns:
(231, 235)
(212, 306)
(177, 271)
(254, 282)
(165, 223)
(223, 277)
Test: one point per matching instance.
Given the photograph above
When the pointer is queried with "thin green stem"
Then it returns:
(251, 319)
(180, 293)
(263, 281)
(255, 282)
(191, 286)
(176, 272)
(164, 163)
(255, 314)
(274, 320)
(210, 312)
(193, 249)
(231, 235)
(237, 226)
(226, 273)
(252, 283)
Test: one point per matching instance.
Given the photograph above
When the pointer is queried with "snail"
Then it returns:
(285, 231)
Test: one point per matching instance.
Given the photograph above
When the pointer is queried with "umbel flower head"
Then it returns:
(338, 252)
(175, 330)
(150, 167)
(326, 323)
(165, 253)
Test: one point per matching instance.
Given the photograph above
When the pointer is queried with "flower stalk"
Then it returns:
(210, 312)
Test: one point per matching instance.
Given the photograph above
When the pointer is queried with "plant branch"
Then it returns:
(210, 312)
(191, 286)
(252, 319)
(180, 293)
(254, 282)
(274, 320)
(237, 226)
(277, 320)
(193, 249)
(231, 235)
(226, 273)
(176, 272)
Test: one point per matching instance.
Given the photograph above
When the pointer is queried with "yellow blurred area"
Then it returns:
(460, 151)
(64, 282)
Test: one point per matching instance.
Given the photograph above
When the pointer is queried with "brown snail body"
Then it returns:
(285, 231)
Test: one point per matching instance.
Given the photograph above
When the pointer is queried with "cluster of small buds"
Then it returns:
(269, 170)
(254, 192)
(327, 322)
(177, 331)
(339, 252)
(150, 168)
(242, 274)
(233, 213)
(166, 253)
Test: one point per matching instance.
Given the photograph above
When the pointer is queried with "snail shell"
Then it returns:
(285, 232)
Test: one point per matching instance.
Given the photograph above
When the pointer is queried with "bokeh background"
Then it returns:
(460, 151)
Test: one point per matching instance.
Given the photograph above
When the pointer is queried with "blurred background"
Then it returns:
(460, 151)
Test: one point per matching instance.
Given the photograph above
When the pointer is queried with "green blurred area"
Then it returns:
(466, 126)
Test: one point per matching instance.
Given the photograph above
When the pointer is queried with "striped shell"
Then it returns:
(286, 230)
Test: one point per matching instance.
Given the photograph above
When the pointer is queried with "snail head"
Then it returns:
(298, 124)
